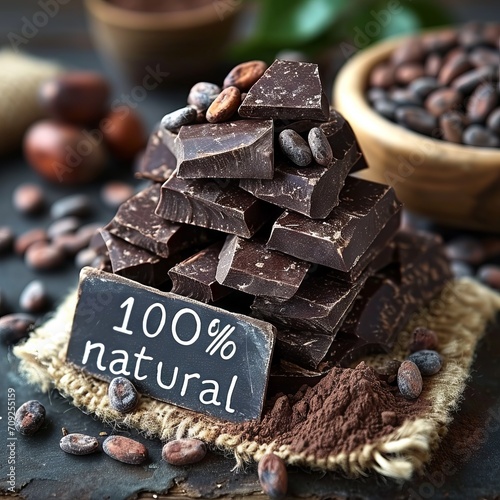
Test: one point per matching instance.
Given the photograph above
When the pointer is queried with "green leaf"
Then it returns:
(289, 23)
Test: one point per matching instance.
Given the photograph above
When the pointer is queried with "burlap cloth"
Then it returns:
(459, 315)
(20, 78)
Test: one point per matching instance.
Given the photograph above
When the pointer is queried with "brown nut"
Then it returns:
(65, 153)
(273, 476)
(78, 97)
(442, 100)
(224, 106)
(482, 103)
(29, 417)
(78, 444)
(382, 76)
(455, 65)
(245, 75)
(124, 133)
(409, 380)
(25, 240)
(28, 199)
(44, 257)
(423, 338)
(185, 451)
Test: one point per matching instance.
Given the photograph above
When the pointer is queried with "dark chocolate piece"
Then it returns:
(171, 348)
(312, 191)
(242, 149)
(137, 223)
(251, 268)
(338, 241)
(219, 205)
(195, 276)
(379, 255)
(133, 262)
(158, 162)
(319, 305)
(288, 90)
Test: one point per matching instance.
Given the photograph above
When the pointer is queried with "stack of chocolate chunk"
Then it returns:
(234, 216)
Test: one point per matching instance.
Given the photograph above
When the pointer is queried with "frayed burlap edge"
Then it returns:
(460, 316)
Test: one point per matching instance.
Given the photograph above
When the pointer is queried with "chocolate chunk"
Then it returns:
(158, 162)
(219, 205)
(288, 90)
(251, 268)
(288, 378)
(195, 276)
(313, 190)
(133, 262)
(319, 305)
(137, 223)
(338, 241)
(240, 149)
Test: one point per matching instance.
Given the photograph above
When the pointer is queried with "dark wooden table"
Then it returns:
(466, 466)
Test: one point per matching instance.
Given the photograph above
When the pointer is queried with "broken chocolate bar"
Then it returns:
(313, 190)
(251, 268)
(338, 241)
(195, 276)
(219, 205)
(288, 90)
(137, 223)
(133, 262)
(288, 378)
(319, 305)
(242, 149)
(158, 162)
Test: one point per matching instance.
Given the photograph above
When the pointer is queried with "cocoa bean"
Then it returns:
(273, 476)
(34, 298)
(202, 94)
(416, 119)
(185, 451)
(14, 327)
(452, 126)
(76, 205)
(320, 147)
(28, 199)
(454, 66)
(27, 239)
(180, 117)
(477, 135)
(114, 193)
(489, 274)
(482, 102)
(245, 75)
(62, 226)
(409, 380)
(29, 417)
(122, 394)
(493, 121)
(78, 444)
(442, 100)
(225, 105)
(411, 50)
(295, 147)
(125, 450)
(6, 239)
(423, 86)
(44, 257)
(382, 76)
(407, 72)
(423, 339)
(428, 362)
(468, 81)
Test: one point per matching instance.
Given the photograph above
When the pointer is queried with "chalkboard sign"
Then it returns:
(170, 347)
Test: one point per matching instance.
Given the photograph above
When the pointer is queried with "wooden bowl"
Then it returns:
(450, 183)
(186, 44)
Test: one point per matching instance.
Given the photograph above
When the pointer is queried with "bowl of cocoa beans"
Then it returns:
(426, 111)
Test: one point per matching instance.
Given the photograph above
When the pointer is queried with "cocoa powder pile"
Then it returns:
(350, 407)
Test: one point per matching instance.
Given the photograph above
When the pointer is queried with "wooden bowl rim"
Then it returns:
(349, 88)
(116, 16)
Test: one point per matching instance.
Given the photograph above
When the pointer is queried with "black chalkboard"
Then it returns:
(170, 347)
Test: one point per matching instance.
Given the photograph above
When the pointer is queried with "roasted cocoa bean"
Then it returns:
(85, 257)
(180, 117)
(34, 298)
(385, 107)
(442, 100)
(273, 476)
(477, 135)
(490, 275)
(467, 82)
(122, 394)
(452, 126)
(454, 66)
(461, 269)
(295, 147)
(423, 339)
(44, 257)
(202, 94)
(320, 147)
(484, 56)
(225, 105)
(493, 121)
(416, 119)
(407, 72)
(125, 450)
(409, 380)
(245, 75)
(25, 240)
(433, 65)
(6, 239)
(481, 103)
(114, 193)
(65, 225)
(76, 205)
(382, 76)
(404, 97)
(412, 50)
(14, 327)
(428, 362)
(466, 249)
(185, 451)
(78, 444)
(423, 86)
(29, 417)
(28, 199)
